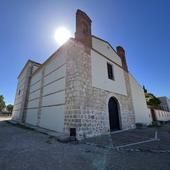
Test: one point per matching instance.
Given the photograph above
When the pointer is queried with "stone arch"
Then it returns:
(114, 113)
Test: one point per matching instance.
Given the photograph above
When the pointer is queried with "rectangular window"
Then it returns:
(110, 71)
(19, 92)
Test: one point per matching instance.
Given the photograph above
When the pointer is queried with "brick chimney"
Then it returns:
(121, 54)
(83, 28)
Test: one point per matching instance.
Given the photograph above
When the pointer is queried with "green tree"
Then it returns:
(152, 100)
(2, 103)
(9, 108)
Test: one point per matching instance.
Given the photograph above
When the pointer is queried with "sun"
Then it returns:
(62, 34)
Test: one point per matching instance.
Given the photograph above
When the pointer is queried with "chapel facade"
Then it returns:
(84, 89)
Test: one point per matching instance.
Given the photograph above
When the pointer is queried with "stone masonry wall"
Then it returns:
(77, 87)
(87, 106)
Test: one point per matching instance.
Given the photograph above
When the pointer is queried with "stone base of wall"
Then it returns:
(94, 118)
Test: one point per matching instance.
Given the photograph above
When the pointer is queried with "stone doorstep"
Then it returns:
(61, 137)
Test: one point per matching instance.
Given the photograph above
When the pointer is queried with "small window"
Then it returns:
(110, 71)
(19, 92)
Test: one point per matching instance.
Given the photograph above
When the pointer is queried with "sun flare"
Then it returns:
(62, 34)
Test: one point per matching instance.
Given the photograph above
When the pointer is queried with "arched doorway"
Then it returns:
(113, 106)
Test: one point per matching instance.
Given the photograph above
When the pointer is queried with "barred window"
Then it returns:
(110, 71)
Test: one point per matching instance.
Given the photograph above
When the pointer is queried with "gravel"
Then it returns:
(21, 149)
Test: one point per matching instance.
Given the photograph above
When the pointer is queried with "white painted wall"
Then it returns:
(17, 106)
(35, 86)
(34, 98)
(55, 86)
(53, 118)
(105, 49)
(139, 102)
(100, 75)
(16, 114)
(34, 95)
(36, 76)
(52, 99)
(31, 116)
(33, 103)
(57, 74)
(55, 63)
(20, 98)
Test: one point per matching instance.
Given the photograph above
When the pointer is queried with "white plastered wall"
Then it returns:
(34, 98)
(47, 95)
(105, 49)
(20, 94)
(139, 102)
(100, 75)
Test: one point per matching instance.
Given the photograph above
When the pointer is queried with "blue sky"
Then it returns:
(142, 27)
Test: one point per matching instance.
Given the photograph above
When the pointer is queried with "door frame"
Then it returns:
(119, 112)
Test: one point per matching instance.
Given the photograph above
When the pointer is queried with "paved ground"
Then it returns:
(125, 138)
(22, 149)
(122, 138)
